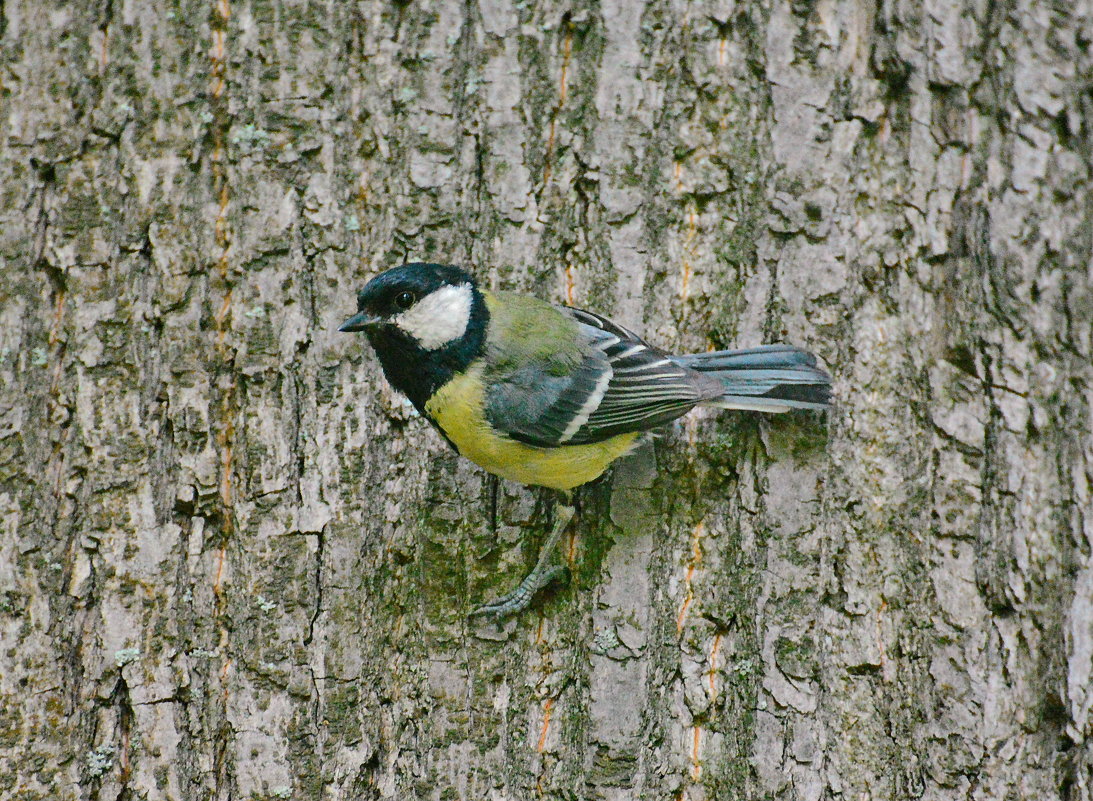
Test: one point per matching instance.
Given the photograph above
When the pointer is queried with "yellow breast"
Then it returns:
(457, 409)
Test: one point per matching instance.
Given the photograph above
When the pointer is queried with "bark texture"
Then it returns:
(233, 565)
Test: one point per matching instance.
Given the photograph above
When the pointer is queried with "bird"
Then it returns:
(550, 395)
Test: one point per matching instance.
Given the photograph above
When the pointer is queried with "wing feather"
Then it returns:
(621, 385)
(647, 388)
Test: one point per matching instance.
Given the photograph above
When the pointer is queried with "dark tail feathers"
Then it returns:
(770, 378)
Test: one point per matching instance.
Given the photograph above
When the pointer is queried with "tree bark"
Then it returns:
(235, 565)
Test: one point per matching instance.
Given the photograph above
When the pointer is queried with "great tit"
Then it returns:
(551, 395)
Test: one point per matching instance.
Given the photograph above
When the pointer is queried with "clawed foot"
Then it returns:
(516, 601)
(541, 575)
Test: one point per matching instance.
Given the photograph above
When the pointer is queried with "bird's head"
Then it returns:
(426, 322)
(431, 304)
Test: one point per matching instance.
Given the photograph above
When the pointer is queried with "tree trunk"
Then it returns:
(235, 565)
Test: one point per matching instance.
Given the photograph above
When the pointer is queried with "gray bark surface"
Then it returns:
(233, 565)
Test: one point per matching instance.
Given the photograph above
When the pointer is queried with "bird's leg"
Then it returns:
(542, 574)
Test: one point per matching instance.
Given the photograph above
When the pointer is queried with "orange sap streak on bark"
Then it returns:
(696, 558)
(711, 676)
(563, 89)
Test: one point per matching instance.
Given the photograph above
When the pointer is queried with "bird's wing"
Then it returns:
(646, 388)
(620, 384)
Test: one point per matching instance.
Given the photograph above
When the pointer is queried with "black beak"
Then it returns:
(359, 322)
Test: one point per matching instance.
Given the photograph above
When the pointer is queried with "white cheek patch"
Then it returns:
(439, 317)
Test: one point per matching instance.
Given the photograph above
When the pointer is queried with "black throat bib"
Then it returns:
(418, 373)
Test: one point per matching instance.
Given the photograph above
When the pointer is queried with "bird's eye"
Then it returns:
(405, 300)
